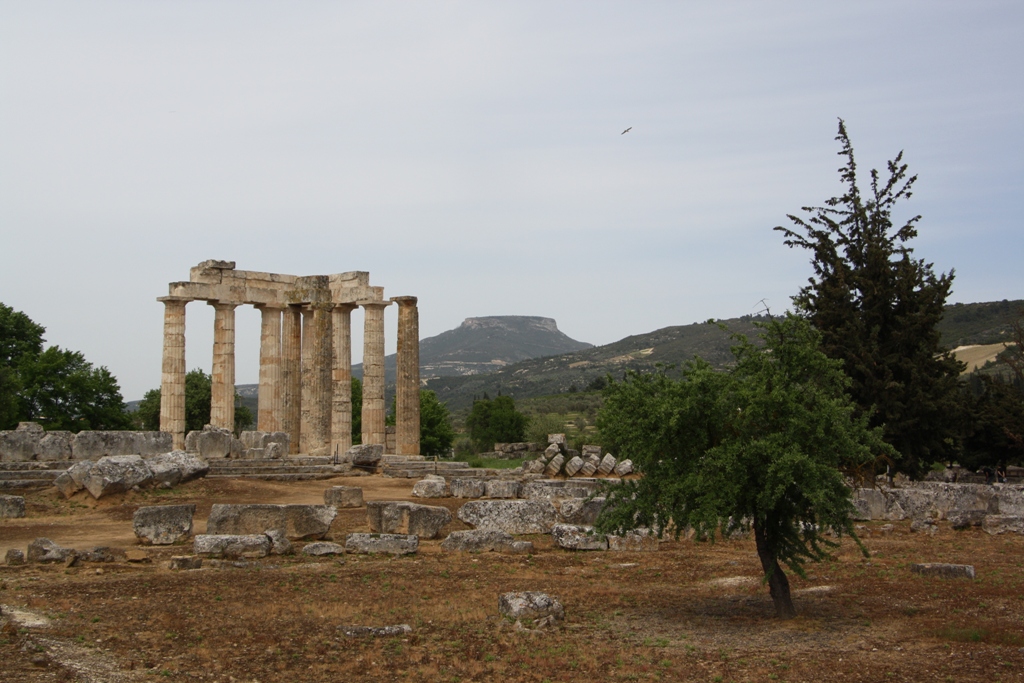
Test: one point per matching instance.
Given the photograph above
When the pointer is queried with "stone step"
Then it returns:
(16, 484)
(390, 458)
(42, 475)
(276, 477)
(241, 471)
(37, 465)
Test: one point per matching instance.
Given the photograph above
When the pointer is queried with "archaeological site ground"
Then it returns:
(690, 611)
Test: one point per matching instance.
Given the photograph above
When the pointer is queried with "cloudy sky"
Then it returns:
(470, 153)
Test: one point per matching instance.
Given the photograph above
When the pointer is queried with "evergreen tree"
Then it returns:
(495, 421)
(877, 308)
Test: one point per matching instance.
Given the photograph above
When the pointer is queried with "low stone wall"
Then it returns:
(214, 443)
(937, 500)
(31, 442)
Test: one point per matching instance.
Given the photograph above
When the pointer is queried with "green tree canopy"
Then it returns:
(198, 398)
(759, 445)
(877, 308)
(495, 421)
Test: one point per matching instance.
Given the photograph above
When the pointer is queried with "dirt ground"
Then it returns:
(692, 611)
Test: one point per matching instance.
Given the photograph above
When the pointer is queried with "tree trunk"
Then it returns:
(778, 584)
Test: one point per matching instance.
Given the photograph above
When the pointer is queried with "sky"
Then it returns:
(471, 154)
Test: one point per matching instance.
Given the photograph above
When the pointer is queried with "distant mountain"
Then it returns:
(982, 323)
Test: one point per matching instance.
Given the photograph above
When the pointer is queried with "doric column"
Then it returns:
(222, 399)
(320, 379)
(373, 371)
(407, 382)
(341, 398)
(306, 371)
(271, 391)
(172, 375)
(291, 375)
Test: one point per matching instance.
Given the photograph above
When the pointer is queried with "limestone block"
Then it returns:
(212, 442)
(948, 571)
(14, 557)
(72, 480)
(275, 451)
(117, 474)
(163, 524)
(477, 541)
(309, 521)
(30, 428)
(185, 562)
(511, 516)
(153, 443)
(322, 548)
(188, 465)
(431, 486)
(392, 544)
(20, 445)
(909, 503)
(253, 439)
(468, 488)
(967, 519)
(344, 497)
(1010, 500)
(367, 456)
(571, 453)
(551, 451)
(530, 605)
(623, 468)
(635, 541)
(868, 504)
(558, 440)
(521, 547)
(236, 450)
(535, 466)
(45, 550)
(102, 554)
(12, 506)
(502, 488)
(279, 543)
(581, 510)
(607, 465)
(254, 454)
(55, 446)
(297, 521)
(402, 517)
(588, 469)
(99, 444)
(1002, 524)
(573, 466)
(557, 489)
(554, 465)
(578, 537)
(231, 546)
(591, 450)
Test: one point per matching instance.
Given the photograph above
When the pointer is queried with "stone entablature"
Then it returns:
(305, 356)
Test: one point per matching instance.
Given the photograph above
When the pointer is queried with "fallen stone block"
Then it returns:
(136, 555)
(573, 466)
(588, 469)
(279, 543)
(468, 488)
(366, 456)
(1003, 524)
(554, 465)
(635, 541)
(521, 547)
(1010, 500)
(512, 516)
(185, 562)
(607, 465)
(502, 488)
(581, 510)
(117, 474)
(532, 467)
(163, 524)
(72, 480)
(868, 504)
(308, 522)
(210, 443)
(176, 467)
(231, 546)
(12, 507)
(531, 605)
(45, 550)
(344, 497)
(392, 544)
(558, 489)
(375, 631)
(402, 517)
(623, 468)
(477, 541)
(578, 537)
(14, 557)
(947, 571)
(102, 554)
(322, 548)
(431, 486)
(297, 521)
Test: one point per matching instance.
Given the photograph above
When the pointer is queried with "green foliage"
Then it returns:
(878, 309)
(757, 445)
(995, 432)
(198, 396)
(495, 421)
(436, 432)
(58, 388)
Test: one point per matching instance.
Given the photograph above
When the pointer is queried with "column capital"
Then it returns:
(174, 299)
(405, 300)
(346, 306)
(369, 303)
(269, 307)
(223, 304)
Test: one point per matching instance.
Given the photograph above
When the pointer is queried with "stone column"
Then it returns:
(373, 371)
(222, 399)
(306, 372)
(172, 375)
(341, 409)
(407, 382)
(317, 370)
(291, 375)
(271, 391)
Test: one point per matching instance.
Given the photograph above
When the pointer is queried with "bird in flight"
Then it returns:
(626, 131)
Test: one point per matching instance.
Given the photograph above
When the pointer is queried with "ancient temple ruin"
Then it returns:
(305, 386)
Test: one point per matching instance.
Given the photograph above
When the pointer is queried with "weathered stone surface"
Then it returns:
(102, 554)
(344, 497)
(186, 562)
(402, 517)
(521, 547)
(367, 456)
(309, 521)
(623, 468)
(511, 516)
(55, 445)
(210, 443)
(573, 466)
(554, 465)
(502, 488)
(588, 469)
(607, 465)
(176, 467)
(557, 489)
(967, 519)
(1003, 524)
(635, 541)
(868, 504)
(163, 524)
(231, 546)
(376, 631)
(947, 571)
(45, 550)
(12, 506)
(117, 474)
(532, 467)
(72, 480)
(21, 444)
(14, 557)
(530, 605)
(591, 450)
(578, 537)
(98, 444)
(232, 519)
(558, 440)
(431, 486)
(392, 544)
(1009, 500)
(477, 540)
(926, 525)
(581, 510)
(321, 548)
(279, 543)
(468, 488)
